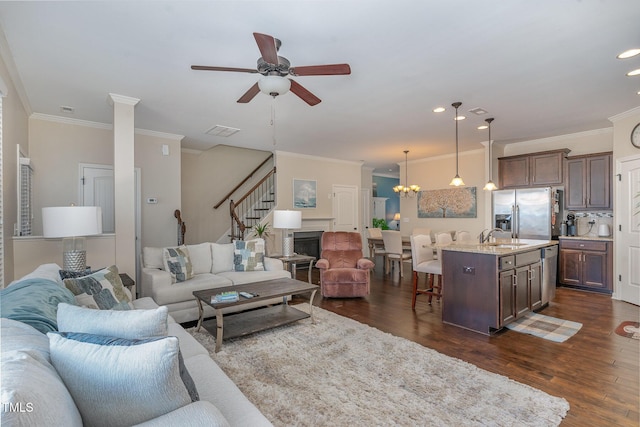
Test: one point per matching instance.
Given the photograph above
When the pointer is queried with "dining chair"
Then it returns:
(421, 230)
(395, 253)
(464, 237)
(378, 248)
(423, 262)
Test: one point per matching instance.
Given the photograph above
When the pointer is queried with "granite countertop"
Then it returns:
(500, 246)
(597, 238)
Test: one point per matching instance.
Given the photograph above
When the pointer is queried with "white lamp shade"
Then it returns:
(287, 219)
(71, 221)
(274, 85)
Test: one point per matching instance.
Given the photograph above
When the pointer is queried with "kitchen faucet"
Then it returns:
(482, 239)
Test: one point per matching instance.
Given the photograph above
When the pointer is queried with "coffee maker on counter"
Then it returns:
(571, 224)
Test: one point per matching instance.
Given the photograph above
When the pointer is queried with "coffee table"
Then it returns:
(249, 322)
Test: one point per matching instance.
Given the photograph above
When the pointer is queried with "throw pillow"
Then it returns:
(222, 255)
(249, 255)
(120, 382)
(68, 274)
(130, 324)
(177, 263)
(200, 256)
(102, 289)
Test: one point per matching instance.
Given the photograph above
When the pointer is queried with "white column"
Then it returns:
(124, 182)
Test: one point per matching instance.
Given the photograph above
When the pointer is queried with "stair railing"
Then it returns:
(251, 208)
(248, 177)
(182, 228)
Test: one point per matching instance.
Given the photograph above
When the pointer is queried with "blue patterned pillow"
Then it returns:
(102, 290)
(109, 392)
(178, 263)
(249, 255)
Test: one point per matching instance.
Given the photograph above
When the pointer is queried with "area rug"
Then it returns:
(340, 372)
(547, 327)
(629, 330)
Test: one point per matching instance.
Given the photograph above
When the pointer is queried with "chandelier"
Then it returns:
(404, 190)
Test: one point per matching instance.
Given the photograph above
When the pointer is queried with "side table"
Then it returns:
(129, 283)
(292, 262)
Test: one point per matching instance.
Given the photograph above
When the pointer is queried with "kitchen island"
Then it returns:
(486, 286)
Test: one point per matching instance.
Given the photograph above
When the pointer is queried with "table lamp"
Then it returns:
(396, 218)
(287, 220)
(72, 223)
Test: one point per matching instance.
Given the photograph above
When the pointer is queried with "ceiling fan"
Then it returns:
(275, 68)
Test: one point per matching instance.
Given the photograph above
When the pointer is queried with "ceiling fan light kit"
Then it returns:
(275, 70)
(457, 181)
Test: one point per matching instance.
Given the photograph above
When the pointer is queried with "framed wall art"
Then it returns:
(304, 193)
(448, 203)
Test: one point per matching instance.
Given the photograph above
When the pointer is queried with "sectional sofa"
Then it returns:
(63, 364)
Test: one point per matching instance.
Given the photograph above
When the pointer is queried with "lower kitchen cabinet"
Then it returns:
(586, 264)
(521, 291)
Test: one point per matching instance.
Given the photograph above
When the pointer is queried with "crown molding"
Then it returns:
(445, 156)
(103, 126)
(629, 113)
(309, 157)
(114, 98)
(191, 151)
(7, 56)
(558, 138)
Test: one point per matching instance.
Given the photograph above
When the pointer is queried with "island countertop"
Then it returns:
(500, 246)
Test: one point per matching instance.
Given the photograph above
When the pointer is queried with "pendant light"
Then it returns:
(456, 181)
(403, 190)
(490, 186)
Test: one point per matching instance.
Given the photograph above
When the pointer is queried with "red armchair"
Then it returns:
(344, 272)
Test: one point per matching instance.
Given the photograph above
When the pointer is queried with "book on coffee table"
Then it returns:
(230, 296)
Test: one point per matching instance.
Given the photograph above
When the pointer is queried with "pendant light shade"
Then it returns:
(404, 190)
(490, 186)
(456, 181)
(274, 85)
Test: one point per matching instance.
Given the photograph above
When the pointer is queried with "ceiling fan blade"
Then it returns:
(250, 94)
(321, 70)
(267, 46)
(304, 94)
(208, 68)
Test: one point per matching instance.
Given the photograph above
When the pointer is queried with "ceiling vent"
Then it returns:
(224, 131)
(479, 111)
(67, 109)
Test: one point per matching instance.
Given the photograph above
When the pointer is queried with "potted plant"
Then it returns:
(380, 223)
(261, 230)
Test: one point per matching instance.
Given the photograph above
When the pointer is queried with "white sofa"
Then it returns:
(213, 267)
(33, 392)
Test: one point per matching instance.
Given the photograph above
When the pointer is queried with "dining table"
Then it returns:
(377, 241)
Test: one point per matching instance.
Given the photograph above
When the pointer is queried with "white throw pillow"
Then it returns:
(177, 262)
(119, 382)
(200, 257)
(130, 324)
(152, 258)
(222, 256)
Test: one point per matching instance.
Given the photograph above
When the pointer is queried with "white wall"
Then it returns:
(596, 141)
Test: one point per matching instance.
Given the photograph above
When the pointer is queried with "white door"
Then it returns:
(627, 233)
(345, 208)
(96, 189)
(366, 216)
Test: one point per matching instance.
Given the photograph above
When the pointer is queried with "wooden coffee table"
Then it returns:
(249, 322)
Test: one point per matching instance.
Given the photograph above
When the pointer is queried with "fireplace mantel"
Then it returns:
(317, 224)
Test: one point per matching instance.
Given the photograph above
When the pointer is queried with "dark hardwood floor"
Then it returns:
(596, 370)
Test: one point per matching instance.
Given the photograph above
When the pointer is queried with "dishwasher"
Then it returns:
(549, 256)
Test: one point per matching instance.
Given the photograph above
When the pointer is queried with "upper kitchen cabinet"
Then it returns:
(532, 170)
(588, 182)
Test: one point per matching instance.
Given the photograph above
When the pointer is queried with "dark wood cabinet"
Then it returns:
(588, 182)
(532, 170)
(586, 264)
(521, 291)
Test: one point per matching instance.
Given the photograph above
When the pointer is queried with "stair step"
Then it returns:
(262, 209)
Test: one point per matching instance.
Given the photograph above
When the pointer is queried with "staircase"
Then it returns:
(253, 207)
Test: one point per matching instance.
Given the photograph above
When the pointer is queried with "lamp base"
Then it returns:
(287, 246)
(74, 260)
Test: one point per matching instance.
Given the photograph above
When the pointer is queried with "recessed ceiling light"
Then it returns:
(460, 118)
(482, 127)
(635, 72)
(628, 53)
(438, 110)
(479, 111)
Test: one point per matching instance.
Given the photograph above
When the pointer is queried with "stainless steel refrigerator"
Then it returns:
(527, 213)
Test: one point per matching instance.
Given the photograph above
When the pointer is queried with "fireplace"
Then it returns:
(307, 243)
